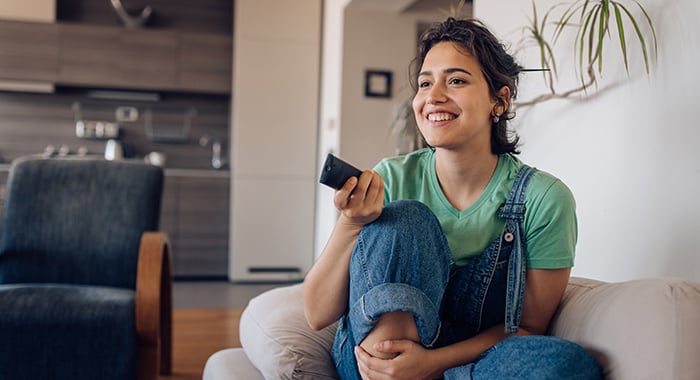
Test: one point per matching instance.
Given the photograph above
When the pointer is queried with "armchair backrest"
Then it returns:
(77, 221)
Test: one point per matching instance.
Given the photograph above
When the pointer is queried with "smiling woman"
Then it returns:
(402, 268)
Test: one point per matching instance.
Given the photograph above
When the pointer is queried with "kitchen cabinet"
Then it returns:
(205, 62)
(28, 51)
(114, 57)
(194, 213)
(273, 160)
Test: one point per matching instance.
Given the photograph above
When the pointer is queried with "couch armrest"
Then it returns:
(154, 306)
(641, 329)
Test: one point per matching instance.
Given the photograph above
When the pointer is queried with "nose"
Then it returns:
(436, 94)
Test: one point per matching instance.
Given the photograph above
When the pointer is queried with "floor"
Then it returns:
(205, 319)
(216, 294)
(197, 334)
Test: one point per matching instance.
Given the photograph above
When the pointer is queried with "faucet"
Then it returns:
(217, 160)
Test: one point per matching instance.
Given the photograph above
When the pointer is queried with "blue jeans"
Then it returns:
(402, 263)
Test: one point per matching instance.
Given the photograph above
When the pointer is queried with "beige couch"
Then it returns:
(642, 329)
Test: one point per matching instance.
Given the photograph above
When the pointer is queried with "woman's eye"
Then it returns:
(423, 84)
(457, 81)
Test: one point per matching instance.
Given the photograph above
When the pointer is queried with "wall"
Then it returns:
(30, 122)
(383, 40)
(629, 153)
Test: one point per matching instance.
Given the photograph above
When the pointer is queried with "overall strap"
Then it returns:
(513, 211)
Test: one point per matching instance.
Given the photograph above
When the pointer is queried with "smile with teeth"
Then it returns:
(441, 116)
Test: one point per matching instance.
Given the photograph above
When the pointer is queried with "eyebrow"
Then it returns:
(448, 71)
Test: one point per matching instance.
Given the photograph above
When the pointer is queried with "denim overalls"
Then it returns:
(402, 262)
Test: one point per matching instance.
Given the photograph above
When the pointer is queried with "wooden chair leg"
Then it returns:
(166, 317)
(154, 307)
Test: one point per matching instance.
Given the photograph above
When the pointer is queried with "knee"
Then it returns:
(407, 221)
(406, 238)
(410, 212)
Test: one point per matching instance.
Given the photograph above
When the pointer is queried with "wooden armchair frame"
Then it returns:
(154, 307)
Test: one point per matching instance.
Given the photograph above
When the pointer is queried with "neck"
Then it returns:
(464, 175)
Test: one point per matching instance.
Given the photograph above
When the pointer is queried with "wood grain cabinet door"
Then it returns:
(195, 214)
(115, 57)
(205, 63)
(28, 51)
(149, 59)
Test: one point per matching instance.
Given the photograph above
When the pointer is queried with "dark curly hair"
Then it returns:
(499, 68)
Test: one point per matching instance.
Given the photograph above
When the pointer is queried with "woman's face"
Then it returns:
(453, 106)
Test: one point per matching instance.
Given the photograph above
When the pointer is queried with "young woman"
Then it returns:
(450, 262)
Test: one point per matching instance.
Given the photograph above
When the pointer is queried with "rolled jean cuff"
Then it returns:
(391, 297)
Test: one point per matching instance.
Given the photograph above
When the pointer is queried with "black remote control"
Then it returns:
(336, 172)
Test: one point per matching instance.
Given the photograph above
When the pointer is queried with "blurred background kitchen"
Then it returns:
(137, 81)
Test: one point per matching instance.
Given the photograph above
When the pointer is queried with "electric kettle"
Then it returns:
(114, 150)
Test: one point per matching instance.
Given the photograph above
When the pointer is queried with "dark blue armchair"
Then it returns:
(85, 282)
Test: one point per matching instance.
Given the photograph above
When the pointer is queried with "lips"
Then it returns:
(441, 116)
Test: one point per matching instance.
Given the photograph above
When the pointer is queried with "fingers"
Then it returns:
(362, 197)
(342, 196)
(407, 364)
(391, 346)
(363, 364)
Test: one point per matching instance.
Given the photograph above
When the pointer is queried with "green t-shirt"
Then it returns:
(550, 216)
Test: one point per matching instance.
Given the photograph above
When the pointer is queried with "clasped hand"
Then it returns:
(411, 362)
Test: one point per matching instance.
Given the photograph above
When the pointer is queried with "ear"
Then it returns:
(502, 100)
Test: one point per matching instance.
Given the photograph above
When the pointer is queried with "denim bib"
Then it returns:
(489, 289)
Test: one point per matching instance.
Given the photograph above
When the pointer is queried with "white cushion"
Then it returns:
(641, 329)
(279, 341)
(230, 364)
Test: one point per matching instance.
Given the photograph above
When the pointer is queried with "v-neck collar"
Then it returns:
(493, 182)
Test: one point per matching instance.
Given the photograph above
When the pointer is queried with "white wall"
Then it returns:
(383, 40)
(376, 40)
(629, 153)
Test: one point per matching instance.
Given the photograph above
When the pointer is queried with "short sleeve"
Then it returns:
(551, 229)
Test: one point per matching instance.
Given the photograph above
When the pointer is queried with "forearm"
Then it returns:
(325, 288)
(543, 291)
(467, 351)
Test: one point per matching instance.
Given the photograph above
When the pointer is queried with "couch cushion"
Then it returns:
(279, 341)
(641, 329)
(50, 331)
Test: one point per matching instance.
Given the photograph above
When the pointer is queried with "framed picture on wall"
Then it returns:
(378, 83)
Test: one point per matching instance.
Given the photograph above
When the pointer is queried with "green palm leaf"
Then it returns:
(621, 35)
